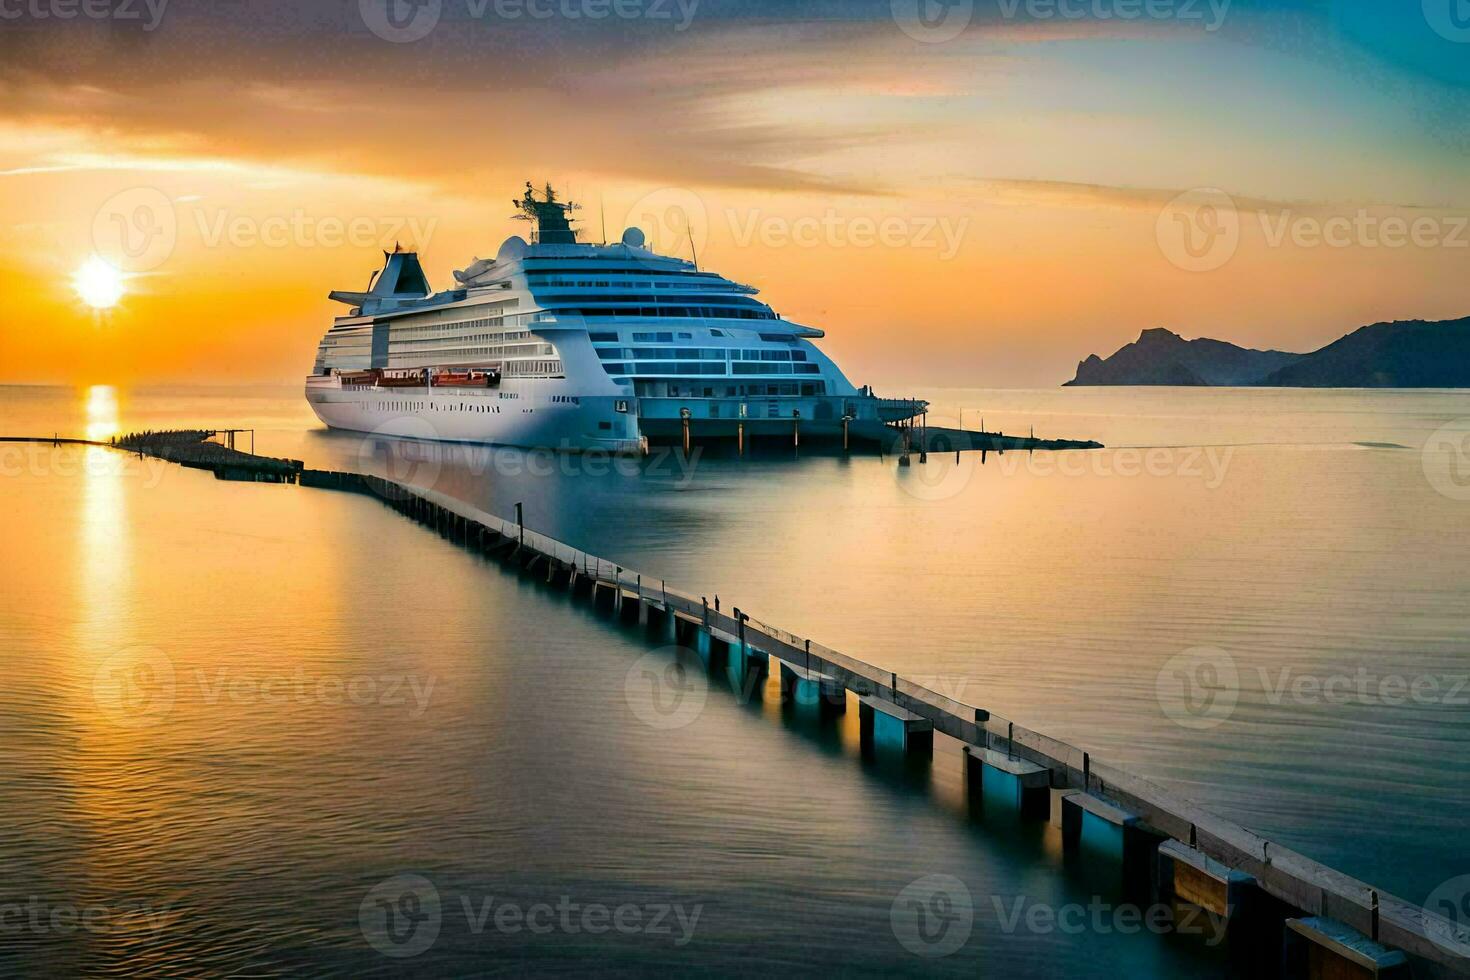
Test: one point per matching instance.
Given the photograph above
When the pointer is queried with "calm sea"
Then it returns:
(239, 722)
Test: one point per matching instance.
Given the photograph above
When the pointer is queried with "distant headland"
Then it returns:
(1402, 354)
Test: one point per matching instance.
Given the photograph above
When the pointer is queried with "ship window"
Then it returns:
(609, 338)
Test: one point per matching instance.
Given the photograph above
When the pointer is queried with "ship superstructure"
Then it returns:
(564, 345)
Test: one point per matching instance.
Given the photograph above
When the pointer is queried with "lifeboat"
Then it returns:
(406, 379)
(472, 378)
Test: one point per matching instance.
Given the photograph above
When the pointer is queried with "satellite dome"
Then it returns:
(511, 249)
(633, 238)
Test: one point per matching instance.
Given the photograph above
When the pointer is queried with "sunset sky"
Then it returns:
(982, 196)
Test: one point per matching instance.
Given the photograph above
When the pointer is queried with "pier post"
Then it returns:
(1321, 947)
(643, 604)
(1024, 785)
(804, 686)
(1092, 823)
(1191, 884)
(882, 722)
(631, 608)
(719, 651)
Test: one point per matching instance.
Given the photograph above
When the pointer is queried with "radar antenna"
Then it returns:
(551, 217)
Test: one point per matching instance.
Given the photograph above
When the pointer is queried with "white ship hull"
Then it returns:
(530, 413)
(555, 344)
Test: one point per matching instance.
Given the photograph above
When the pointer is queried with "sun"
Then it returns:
(98, 284)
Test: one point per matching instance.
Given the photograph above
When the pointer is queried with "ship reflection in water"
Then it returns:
(235, 712)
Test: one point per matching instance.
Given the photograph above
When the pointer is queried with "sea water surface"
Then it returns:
(238, 717)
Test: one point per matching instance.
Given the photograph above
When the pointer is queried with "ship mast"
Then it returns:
(552, 218)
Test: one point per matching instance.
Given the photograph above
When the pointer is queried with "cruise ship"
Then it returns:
(571, 346)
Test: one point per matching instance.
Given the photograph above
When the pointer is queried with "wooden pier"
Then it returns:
(1330, 924)
(196, 449)
(1144, 814)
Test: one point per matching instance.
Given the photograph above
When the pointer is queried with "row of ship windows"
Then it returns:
(707, 368)
(525, 369)
(678, 283)
(509, 350)
(362, 333)
(440, 328)
(509, 369)
(697, 354)
(740, 391)
(410, 406)
(538, 267)
(651, 338)
(668, 337)
(417, 406)
(456, 354)
(499, 336)
(680, 312)
(739, 302)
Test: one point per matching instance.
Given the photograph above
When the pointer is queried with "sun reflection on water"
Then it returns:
(101, 412)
